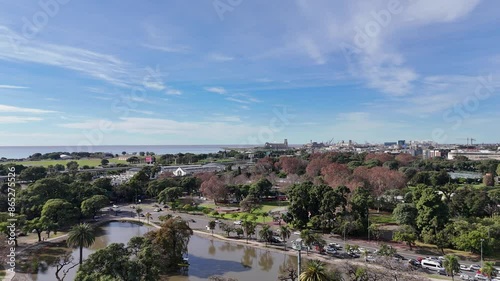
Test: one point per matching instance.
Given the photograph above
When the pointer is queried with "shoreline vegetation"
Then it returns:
(60, 242)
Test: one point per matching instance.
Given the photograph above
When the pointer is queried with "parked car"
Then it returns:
(480, 277)
(399, 257)
(465, 277)
(335, 245)
(237, 223)
(330, 250)
(415, 263)
(370, 259)
(474, 267)
(442, 271)
(464, 267)
(158, 210)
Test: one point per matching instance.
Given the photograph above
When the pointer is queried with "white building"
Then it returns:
(474, 154)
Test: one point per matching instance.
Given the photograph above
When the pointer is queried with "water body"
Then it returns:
(206, 257)
(16, 152)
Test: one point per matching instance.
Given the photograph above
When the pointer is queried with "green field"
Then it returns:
(81, 162)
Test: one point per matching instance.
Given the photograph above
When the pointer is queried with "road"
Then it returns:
(200, 222)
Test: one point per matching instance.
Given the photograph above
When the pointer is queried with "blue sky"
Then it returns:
(241, 71)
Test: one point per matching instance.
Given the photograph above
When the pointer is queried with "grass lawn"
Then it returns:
(81, 162)
(266, 207)
(460, 254)
(381, 218)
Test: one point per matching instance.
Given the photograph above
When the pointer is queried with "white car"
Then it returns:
(237, 223)
(464, 267)
(465, 277)
(474, 267)
(480, 277)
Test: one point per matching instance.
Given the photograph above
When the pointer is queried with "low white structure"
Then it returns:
(181, 171)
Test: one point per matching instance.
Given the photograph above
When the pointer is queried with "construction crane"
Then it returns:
(471, 140)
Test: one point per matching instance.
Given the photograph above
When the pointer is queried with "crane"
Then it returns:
(471, 140)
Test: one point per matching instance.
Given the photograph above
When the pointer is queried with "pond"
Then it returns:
(206, 257)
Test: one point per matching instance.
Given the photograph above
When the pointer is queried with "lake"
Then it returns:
(206, 257)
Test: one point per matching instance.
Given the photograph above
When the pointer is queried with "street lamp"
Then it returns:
(297, 245)
(482, 240)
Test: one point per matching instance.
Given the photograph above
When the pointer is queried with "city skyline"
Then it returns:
(248, 72)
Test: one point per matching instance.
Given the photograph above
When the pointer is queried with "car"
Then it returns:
(399, 257)
(442, 271)
(330, 250)
(296, 232)
(480, 277)
(465, 277)
(474, 267)
(165, 207)
(363, 250)
(464, 267)
(142, 215)
(237, 223)
(354, 255)
(158, 210)
(217, 221)
(371, 259)
(414, 263)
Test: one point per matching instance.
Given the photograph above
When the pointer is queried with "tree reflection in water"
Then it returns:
(248, 255)
(266, 261)
(212, 250)
(288, 270)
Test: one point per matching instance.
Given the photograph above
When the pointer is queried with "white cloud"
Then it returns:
(17, 119)
(217, 90)
(154, 85)
(220, 57)
(168, 49)
(8, 108)
(147, 112)
(172, 91)
(12, 87)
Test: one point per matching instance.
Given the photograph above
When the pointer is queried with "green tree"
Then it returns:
(315, 270)
(38, 225)
(406, 234)
(211, 225)
(33, 173)
(104, 162)
(308, 238)
(226, 228)
(138, 210)
(451, 265)
(488, 269)
(266, 233)
(59, 212)
(405, 214)
(432, 211)
(386, 251)
(148, 216)
(249, 228)
(285, 233)
(170, 194)
(72, 167)
(91, 206)
(82, 235)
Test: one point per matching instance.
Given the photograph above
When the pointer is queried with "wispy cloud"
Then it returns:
(18, 119)
(173, 92)
(220, 57)
(12, 87)
(217, 90)
(8, 108)
(146, 112)
(167, 49)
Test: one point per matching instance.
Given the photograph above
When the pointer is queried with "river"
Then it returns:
(206, 257)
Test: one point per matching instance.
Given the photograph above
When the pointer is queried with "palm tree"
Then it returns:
(138, 210)
(451, 265)
(82, 235)
(488, 269)
(265, 233)
(315, 271)
(285, 233)
(307, 237)
(148, 216)
(249, 228)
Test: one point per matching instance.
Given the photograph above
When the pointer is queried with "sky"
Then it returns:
(248, 72)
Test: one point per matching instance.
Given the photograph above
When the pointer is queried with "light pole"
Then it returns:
(482, 240)
(298, 247)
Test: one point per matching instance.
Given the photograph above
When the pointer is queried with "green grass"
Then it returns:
(381, 218)
(266, 207)
(81, 162)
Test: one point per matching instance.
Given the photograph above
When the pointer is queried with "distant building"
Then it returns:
(181, 171)
(390, 143)
(65, 157)
(401, 143)
(276, 146)
(474, 154)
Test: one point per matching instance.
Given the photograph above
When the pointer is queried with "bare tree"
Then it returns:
(63, 265)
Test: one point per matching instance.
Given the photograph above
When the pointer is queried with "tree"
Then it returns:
(59, 212)
(33, 173)
(451, 265)
(109, 264)
(138, 210)
(285, 233)
(249, 228)
(82, 235)
(264, 216)
(433, 213)
(72, 167)
(308, 238)
(315, 270)
(211, 225)
(226, 228)
(61, 263)
(169, 194)
(91, 206)
(266, 233)
(214, 188)
(104, 162)
(386, 251)
(406, 234)
(148, 216)
(38, 225)
(488, 269)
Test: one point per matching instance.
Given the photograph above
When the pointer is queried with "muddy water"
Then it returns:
(206, 257)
